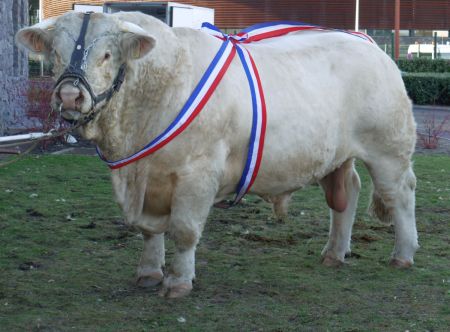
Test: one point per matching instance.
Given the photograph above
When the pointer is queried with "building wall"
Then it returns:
(13, 62)
(57, 7)
(374, 14)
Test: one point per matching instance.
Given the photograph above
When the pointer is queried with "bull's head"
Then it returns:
(89, 54)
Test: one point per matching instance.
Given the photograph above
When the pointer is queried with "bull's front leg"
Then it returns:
(130, 194)
(149, 271)
(191, 204)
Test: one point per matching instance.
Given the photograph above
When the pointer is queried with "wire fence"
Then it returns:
(386, 43)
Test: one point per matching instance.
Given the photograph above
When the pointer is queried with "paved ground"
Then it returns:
(429, 118)
(423, 113)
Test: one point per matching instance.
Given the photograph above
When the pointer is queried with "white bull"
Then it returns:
(331, 98)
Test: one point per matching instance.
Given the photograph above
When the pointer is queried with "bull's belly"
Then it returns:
(289, 164)
(302, 146)
(288, 172)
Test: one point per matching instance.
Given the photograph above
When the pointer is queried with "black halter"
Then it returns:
(75, 70)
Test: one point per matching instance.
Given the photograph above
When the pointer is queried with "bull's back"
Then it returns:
(326, 93)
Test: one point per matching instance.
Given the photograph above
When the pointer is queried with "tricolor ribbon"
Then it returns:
(231, 45)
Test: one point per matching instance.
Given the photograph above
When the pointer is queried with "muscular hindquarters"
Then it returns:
(329, 97)
(340, 98)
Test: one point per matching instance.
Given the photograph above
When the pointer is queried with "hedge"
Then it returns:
(428, 88)
(424, 65)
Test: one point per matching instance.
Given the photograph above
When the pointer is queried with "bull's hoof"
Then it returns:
(176, 291)
(331, 261)
(400, 263)
(151, 280)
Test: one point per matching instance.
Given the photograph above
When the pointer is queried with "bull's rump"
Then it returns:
(330, 96)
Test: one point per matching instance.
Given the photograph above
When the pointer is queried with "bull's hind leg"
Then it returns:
(342, 190)
(280, 205)
(393, 200)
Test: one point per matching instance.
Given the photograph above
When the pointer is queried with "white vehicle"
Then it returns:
(173, 13)
(427, 50)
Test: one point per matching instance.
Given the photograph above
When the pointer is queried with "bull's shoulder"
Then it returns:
(199, 37)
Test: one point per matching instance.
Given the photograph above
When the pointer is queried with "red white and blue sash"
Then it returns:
(231, 45)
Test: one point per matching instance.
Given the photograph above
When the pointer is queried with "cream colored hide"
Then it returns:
(331, 98)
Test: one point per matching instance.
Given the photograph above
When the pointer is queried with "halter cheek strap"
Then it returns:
(76, 70)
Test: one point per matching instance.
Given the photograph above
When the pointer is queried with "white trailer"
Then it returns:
(173, 13)
(427, 50)
(87, 8)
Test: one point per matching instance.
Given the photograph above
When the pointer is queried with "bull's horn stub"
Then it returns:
(133, 28)
(47, 24)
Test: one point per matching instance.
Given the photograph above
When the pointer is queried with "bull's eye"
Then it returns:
(107, 56)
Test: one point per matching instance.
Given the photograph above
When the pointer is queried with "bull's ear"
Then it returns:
(37, 38)
(135, 42)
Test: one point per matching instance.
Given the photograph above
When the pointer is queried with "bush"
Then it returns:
(423, 65)
(432, 131)
(38, 97)
(428, 88)
(39, 93)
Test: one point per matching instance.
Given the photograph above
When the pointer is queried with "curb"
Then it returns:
(431, 108)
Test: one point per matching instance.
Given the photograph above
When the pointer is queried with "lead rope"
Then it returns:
(20, 156)
(35, 143)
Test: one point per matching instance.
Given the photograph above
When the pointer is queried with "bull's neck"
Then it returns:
(144, 107)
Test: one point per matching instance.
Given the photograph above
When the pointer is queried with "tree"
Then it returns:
(13, 62)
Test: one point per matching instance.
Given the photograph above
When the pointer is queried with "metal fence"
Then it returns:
(386, 43)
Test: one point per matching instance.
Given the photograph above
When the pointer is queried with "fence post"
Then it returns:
(397, 30)
(435, 46)
(392, 45)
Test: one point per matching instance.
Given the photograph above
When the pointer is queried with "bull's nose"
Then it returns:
(69, 95)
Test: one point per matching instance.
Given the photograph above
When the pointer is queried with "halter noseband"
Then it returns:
(76, 70)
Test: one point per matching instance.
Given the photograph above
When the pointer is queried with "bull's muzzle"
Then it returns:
(70, 101)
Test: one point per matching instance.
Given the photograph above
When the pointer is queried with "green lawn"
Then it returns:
(67, 261)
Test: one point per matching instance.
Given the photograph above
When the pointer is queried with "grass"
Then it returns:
(67, 261)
